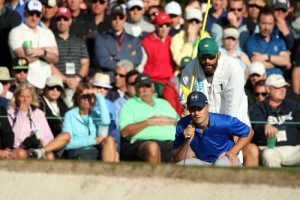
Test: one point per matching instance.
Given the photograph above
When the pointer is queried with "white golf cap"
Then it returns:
(193, 13)
(133, 3)
(276, 80)
(257, 68)
(173, 8)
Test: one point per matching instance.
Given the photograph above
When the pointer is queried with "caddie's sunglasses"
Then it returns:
(207, 56)
(100, 1)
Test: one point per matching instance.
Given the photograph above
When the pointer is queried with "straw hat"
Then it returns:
(102, 80)
(4, 74)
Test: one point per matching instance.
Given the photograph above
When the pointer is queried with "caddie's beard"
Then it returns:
(209, 70)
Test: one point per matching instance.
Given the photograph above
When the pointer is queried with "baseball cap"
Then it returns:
(133, 3)
(33, 5)
(280, 4)
(257, 68)
(117, 10)
(142, 79)
(102, 80)
(162, 18)
(173, 8)
(63, 12)
(208, 46)
(276, 80)
(231, 32)
(193, 13)
(49, 3)
(261, 3)
(20, 63)
(54, 80)
(198, 99)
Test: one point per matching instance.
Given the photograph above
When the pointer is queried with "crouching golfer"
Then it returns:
(204, 138)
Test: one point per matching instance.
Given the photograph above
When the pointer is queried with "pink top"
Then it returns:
(22, 126)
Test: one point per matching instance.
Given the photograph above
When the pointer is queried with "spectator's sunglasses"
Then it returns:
(36, 13)
(207, 56)
(135, 8)
(236, 9)
(58, 19)
(255, 6)
(121, 75)
(57, 87)
(153, 14)
(257, 94)
(114, 17)
(281, 9)
(18, 71)
(86, 96)
(163, 26)
(99, 87)
(230, 38)
(100, 1)
(4, 82)
(173, 16)
(194, 20)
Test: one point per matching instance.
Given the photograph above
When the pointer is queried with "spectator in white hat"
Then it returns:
(6, 81)
(173, 9)
(184, 44)
(135, 24)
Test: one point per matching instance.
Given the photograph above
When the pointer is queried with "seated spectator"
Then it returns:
(20, 68)
(173, 9)
(265, 47)
(147, 124)
(101, 85)
(119, 89)
(208, 137)
(80, 134)
(6, 82)
(28, 122)
(52, 103)
(160, 65)
(184, 44)
(135, 24)
(115, 44)
(280, 115)
(257, 72)
(230, 48)
(3, 101)
(260, 91)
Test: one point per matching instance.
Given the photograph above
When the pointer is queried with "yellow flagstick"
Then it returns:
(205, 19)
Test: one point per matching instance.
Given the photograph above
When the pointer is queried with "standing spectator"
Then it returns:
(260, 91)
(254, 7)
(119, 89)
(48, 14)
(28, 122)
(235, 19)
(230, 48)
(220, 78)
(74, 60)
(211, 135)
(216, 13)
(280, 115)
(265, 47)
(52, 103)
(80, 20)
(8, 20)
(135, 24)
(40, 49)
(148, 125)
(99, 22)
(115, 44)
(173, 9)
(160, 65)
(152, 12)
(184, 44)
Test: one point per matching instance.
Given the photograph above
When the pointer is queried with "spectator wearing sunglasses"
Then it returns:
(279, 115)
(260, 91)
(152, 12)
(234, 18)
(35, 43)
(20, 69)
(136, 25)
(115, 44)
(254, 7)
(52, 103)
(173, 9)
(184, 44)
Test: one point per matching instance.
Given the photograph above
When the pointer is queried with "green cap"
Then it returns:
(207, 46)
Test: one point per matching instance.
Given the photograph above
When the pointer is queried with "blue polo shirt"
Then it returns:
(256, 43)
(216, 138)
(211, 19)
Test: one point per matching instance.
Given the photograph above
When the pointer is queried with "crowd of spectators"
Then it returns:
(102, 79)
